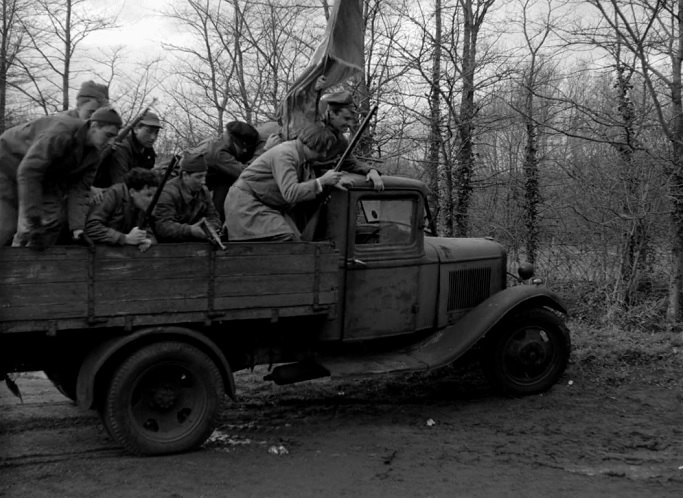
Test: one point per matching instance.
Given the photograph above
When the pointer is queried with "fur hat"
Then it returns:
(107, 115)
(93, 90)
(193, 162)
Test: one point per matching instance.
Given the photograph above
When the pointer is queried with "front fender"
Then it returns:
(107, 354)
(453, 341)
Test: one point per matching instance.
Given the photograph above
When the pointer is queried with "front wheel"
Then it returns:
(527, 353)
(164, 398)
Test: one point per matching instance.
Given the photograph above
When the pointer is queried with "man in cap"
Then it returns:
(262, 203)
(90, 97)
(185, 204)
(337, 111)
(117, 220)
(135, 151)
(46, 169)
(226, 157)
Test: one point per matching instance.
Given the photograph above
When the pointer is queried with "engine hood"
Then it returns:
(463, 249)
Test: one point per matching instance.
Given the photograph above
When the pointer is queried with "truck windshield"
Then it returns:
(385, 221)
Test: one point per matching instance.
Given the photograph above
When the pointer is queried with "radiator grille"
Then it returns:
(467, 288)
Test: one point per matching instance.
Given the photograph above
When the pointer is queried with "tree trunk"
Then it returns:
(67, 57)
(435, 112)
(465, 155)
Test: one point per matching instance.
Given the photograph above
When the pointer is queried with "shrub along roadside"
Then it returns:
(612, 355)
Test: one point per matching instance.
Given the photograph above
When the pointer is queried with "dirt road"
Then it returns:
(441, 434)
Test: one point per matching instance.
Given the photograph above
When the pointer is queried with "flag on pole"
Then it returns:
(338, 57)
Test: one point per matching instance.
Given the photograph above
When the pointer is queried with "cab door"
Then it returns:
(385, 249)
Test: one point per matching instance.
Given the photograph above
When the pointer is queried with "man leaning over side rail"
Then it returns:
(46, 169)
(260, 205)
(185, 204)
(117, 220)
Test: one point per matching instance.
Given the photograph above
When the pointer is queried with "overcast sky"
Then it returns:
(142, 27)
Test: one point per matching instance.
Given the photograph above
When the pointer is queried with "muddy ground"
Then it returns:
(439, 434)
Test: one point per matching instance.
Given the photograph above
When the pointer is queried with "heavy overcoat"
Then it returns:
(260, 204)
(48, 157)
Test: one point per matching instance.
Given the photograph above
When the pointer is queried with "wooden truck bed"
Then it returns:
(71, 287)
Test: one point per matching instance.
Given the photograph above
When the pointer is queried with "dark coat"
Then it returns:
(114, 217)
(178, 209)
(223, 168)
(120, 160)
(50, 153)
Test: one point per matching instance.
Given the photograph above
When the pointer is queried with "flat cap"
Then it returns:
(150, 119)
(244, 133)
(94, 90)
(338, 99)
(107, 115)
(193, 162)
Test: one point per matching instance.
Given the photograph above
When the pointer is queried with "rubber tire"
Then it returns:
(127, 402)
(507, 372)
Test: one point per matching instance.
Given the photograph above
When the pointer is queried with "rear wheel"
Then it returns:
(164, 398)
(527, 353)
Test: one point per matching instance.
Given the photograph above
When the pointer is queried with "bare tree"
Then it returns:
(12, 43)
(653, 33)
(55, 31)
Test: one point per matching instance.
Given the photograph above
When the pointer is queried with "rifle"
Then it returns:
(167, 174)
(309, 230)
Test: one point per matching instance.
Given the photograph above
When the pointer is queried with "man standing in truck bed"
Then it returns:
(261, 204)
(337, 111)
(46, 169)
(185, 205)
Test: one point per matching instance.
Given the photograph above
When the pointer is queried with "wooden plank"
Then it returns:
(158, 251)
(273, 248)
(124, 290)
(153, 319)
(24, 255)
(273, 301)
(44, 301)
(281, 265)
(46, 271)
(105, 308)
(157, 270)
(260, 285)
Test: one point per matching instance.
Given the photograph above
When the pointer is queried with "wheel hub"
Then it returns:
(162, 398)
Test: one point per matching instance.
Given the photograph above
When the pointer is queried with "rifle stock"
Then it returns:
(312, 224)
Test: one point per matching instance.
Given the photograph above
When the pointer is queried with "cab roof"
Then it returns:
(390, 182)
